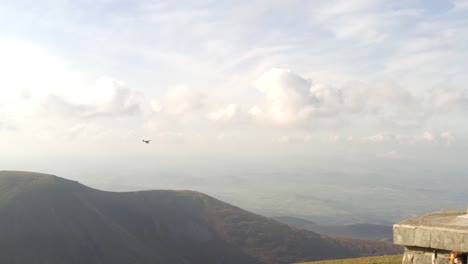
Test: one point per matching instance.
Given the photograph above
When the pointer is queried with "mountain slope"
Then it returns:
(359, 231)
(47, 219)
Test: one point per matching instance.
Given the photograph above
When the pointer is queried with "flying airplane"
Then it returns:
(147, 141)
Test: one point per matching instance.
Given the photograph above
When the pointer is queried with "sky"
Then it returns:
(236, 92)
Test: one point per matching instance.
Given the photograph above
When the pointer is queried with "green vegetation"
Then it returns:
(389, 259)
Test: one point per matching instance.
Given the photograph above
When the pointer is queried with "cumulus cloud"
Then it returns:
(225, 114)
(442, 138)
(332, 139)
(180, 112)
(447, 138)
(428, 136)
(449, 100)
(380, 137)
(111, 98)
(384, 103)
(4, 126)
(287, 98)
(307, 138)
(61, 106)
(255, 111)
(123, 102)
(291, 100)
(178, 101)
(330, 100)
(389, 92)
(156, 106)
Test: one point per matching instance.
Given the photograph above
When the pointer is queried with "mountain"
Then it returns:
(359, 231)
(47, 219)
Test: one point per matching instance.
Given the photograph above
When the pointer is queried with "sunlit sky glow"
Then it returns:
(352, 82)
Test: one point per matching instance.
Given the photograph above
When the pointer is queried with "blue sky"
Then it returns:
(271, 83)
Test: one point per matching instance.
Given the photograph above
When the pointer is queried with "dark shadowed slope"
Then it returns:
(47, 219)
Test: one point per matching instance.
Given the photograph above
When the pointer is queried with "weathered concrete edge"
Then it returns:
(430, 237)
(432, 227)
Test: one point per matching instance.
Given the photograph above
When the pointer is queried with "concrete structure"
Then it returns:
(444, 231)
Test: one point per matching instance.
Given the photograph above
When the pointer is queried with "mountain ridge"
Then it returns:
(55, 220)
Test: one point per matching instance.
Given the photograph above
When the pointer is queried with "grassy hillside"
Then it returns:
(388, 259)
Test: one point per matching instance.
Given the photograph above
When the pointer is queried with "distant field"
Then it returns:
(391, 259)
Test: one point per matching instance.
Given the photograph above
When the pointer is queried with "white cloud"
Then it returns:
(331, 101)
(225, 114)
(380, 137)
(428, 136)
(54, 104)
(364, 20)
(172, 136)
(284, 139)
(449, 99)
(461, 4)
(225, 137)
(447, 138)
(343, 7)
(292, 100)
(363, 27)
(423, 62)
(332, 139)
(85, 130)
(255, 111)
(30, 70)
(433, 53)
(345, 84)
(111, 98)
(393, 154)
(156, 106)
(179, 100)
(105, 86)
(308, 138)
(383, 103)
(180, 112)
(287, 99)
(411, 139)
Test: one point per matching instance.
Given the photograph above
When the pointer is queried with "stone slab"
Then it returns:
(414, 255)
(447, 230)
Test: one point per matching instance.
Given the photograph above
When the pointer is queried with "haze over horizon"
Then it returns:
(338, 106)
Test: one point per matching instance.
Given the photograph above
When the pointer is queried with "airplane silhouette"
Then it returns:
(147, 141)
